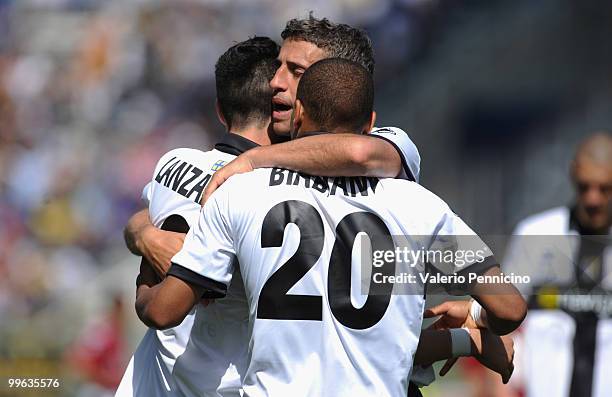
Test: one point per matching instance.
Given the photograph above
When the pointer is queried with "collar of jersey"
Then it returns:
(234, 144)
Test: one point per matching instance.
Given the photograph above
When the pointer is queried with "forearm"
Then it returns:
(166, 305)
(132, 233)
(437, 345)
(504, 320)
(144, 296)
(434, 345)
(331, 155)
(146, 280)
(151, 309)
(503, 306)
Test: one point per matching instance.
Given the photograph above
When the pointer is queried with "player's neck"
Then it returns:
(308, 127)
(256, 134)
(317, 130)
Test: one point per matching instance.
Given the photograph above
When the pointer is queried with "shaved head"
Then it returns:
(591, 173)
(596, 149)
(337, 95)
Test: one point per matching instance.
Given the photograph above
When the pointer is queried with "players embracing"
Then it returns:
(163, 305)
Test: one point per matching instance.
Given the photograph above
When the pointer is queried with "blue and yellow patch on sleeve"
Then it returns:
(218, 165)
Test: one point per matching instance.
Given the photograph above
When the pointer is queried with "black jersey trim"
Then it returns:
(212, 289)
(404, 163)
(234, 144)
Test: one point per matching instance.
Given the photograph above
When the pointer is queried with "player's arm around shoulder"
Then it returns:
(333, 155)
(385, 152)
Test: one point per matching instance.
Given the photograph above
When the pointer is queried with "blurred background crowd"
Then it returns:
(496, 94)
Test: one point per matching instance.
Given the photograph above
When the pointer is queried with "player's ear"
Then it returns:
(297, 118)
(371, 123)
(220, 115)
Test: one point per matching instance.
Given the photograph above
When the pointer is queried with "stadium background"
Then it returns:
(496, 94)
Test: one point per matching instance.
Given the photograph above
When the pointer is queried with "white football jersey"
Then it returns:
(204, 355)
(172, 360)
(550, 332)
(313, 333)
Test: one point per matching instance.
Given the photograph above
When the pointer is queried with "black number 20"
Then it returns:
(274, 302)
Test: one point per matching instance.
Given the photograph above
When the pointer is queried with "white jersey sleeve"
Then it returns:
(147, 192)
(460, 248)
(208, 254)
(411, 160)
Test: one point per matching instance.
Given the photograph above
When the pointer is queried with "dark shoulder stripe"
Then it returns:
(212, 289)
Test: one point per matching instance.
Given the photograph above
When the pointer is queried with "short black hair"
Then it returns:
(337, 94)
(243, 75)
(338, 40)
